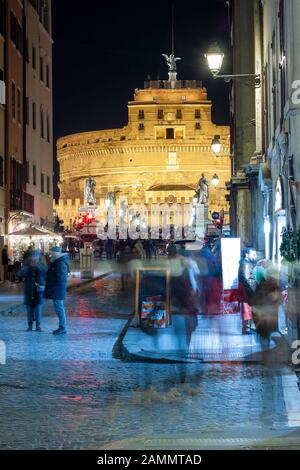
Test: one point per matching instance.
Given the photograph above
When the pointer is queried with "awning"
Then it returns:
(34, 232)
(70, 235)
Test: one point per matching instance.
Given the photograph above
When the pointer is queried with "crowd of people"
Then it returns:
(197, 287)
(112, 249)
(196, 278)
(196, 281)
(141, 249)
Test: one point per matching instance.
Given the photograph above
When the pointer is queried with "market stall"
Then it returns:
(35, 237)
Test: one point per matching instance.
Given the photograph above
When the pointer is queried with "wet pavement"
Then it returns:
(215, 338)
(69, 392)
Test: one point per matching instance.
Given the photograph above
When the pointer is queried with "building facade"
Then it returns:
(26, 153)
(17, 199)
(246, 200)
(281, 39)
(2, 129)
(269, 175)
(281, 117)
(266, 155)
(157, 158)
(38, 110)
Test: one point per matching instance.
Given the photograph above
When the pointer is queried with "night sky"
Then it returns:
(103, 50)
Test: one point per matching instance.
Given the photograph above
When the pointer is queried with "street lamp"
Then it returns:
(215, 56)
(216, 144)
(215, 180)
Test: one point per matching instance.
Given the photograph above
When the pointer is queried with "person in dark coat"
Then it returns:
(109, 248)
(27, 254)
(148, 247)
(56, 285)
(5, 262)
(171, 250)
(124, 260)
(33, 274)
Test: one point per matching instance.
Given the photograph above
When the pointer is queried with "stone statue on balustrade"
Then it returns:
(202, 190)
(89, 191)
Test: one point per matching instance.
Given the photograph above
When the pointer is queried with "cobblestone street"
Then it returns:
(69, 392)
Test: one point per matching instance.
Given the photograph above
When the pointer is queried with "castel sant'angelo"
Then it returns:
(157, 158)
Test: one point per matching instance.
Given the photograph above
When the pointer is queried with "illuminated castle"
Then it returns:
(158, 157)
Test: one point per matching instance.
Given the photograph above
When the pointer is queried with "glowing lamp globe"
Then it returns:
(214, 57)
(216, 145)
(215, 180)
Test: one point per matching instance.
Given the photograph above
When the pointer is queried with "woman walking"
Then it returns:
(33, 274)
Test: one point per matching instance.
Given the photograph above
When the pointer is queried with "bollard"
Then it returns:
(86, 263)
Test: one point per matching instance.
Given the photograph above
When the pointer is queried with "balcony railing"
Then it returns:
(21, 201)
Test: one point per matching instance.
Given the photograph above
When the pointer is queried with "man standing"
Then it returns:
(5, 260)
(56, 285)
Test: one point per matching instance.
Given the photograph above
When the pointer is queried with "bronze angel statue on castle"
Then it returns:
(171, 61)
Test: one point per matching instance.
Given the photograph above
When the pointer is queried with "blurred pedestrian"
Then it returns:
(72, 249)
(5, 262)
(16, 269)
(139, 248)
(124, 260)
(247, 287)
(171, 250)
(148, 247)
(210, 275)
(260, 271)
(34, 274)
(109, 248)
(27, 253)
(11, 271)
(56, 285)
(266, 300)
